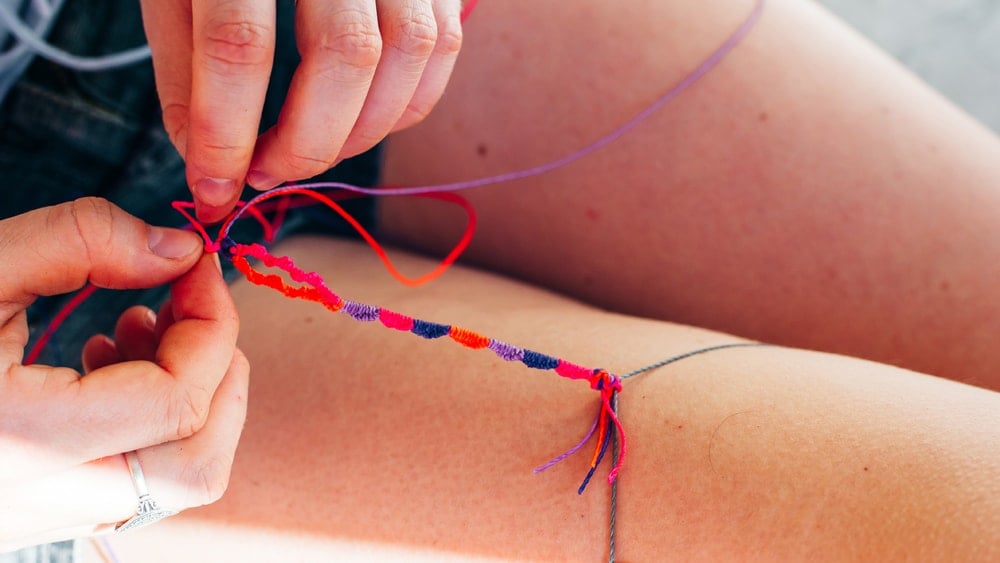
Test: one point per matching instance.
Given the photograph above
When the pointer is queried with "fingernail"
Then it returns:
(261, 181)
(210, 214)
(172, 243)
(218, 263)
(215, 191)
(150, 319)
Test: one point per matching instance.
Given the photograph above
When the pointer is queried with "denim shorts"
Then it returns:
(66, 134)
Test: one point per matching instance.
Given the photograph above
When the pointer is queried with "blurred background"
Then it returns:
(952, 44)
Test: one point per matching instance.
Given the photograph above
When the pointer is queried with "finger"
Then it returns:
(409, 34)
(135, 334)
(179, 475)
(197, 346)
(164, 319)
(340, 46)
(168, 31)
(13, 338)
(99, 351)
(206, 457)
(233, 50)
(439, 67)
(57, 249)
(124, 406)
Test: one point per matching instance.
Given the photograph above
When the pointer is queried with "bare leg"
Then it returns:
(358, 436)
(808, 192)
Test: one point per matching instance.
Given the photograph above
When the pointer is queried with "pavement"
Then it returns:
(952, 44)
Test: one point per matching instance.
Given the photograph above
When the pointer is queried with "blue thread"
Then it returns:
(537, 360)
(429, 330)
(600, 455)
(228, 247)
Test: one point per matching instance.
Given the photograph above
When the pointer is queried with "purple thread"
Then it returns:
(506, 351)
(708, 64)
(559, 458)
(361, 311)
(109, 551)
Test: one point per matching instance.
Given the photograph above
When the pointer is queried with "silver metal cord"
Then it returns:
(614, 438)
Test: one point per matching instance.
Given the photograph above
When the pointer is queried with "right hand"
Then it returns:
(369, 67)
(173, 389)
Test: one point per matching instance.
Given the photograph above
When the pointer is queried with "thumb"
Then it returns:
(58, 249)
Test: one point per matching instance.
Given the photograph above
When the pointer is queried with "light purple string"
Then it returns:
(108, 550)
(710, 63)
(570, 451)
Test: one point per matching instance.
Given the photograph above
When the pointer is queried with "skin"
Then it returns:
(368, 68)
(366, 443)
(767, 454)
(808, 191)
(173, 387)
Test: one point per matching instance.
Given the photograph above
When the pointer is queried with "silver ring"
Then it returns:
(149, 511)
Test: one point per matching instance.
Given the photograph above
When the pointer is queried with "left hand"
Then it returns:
(172, 388)
(369, 67)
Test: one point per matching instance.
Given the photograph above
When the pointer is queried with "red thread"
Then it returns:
(445, 263)
(213, 246)
(602, 429)
(467, 9)
(468, 338)
(315, 290)
(57, 321)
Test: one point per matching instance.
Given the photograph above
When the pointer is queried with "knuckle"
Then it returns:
(187, 411)
(353, 40)
(364, 139)
(175, 119)
(414, 35)
(238, 42)
(92, 219)
(208, 479)
(414, 113)
(449, 37)
(304, 166)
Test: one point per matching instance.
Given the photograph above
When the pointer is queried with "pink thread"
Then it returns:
(573, 371)
(395, 320)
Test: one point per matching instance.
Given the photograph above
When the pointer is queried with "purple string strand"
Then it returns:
(707, 65)
(559, 458)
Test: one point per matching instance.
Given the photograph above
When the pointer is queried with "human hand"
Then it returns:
(173, 389)
(369, 67)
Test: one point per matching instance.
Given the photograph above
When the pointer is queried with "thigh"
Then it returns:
(807, 191)
(362, 442)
